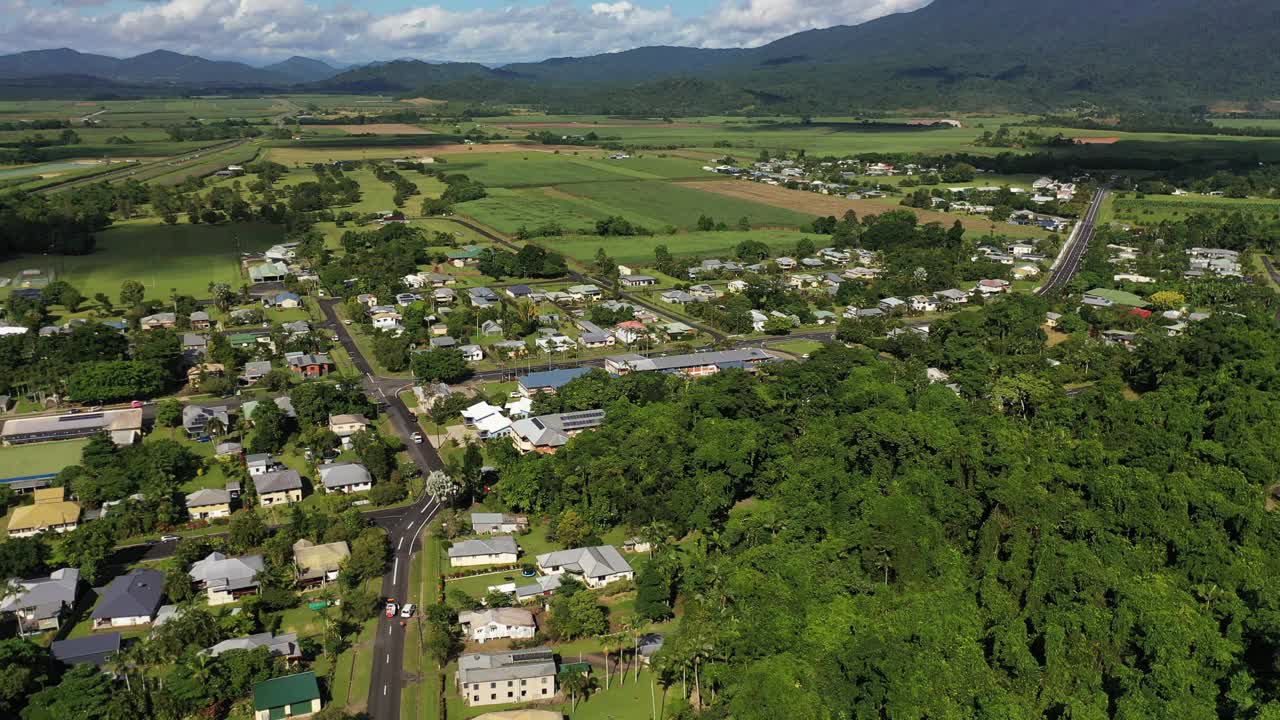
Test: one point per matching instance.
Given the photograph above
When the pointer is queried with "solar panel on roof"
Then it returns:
(79, 417)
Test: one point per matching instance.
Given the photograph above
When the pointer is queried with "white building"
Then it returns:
(497, 624)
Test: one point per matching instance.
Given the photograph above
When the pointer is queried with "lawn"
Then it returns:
(682, 206)
(796, 347)
(632, 701)
(536, 169)
(640, 249)
(162, 257)
(39, 458)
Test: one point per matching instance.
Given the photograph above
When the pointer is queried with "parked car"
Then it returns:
(171, 538)
(417, 438)
(136, 404)
(407, 611)
(391, 609)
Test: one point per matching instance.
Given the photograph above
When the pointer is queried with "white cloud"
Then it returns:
(267, 30)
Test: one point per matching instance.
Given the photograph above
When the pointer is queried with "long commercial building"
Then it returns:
(693, 364)
(124, 427)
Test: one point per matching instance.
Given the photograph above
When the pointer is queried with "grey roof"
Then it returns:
(285, 645)
(499, 545)
(343, 474)
(91, 649)
(551, 379)
(510, 665)
(546, 583)
(46, 595)
(135, 594)
(259, 459)
(304, 360)
(227, 573)
(553, 430)
(194, 416)
(109, 420)
(208, 496)
(257, 367)
(194, 340)
(595, 562)
(725, 358)
(199, 315)
(443, 342)
(284, 402)
(278, 481)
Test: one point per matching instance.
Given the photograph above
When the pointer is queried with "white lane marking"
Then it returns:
(423, 511)
(384, 691)
(410, 527)
(400, 544)
(395, 571)
(388, 630)
(388, 658)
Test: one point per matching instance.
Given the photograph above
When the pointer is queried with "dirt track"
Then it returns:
(823, 205)
(596, 126)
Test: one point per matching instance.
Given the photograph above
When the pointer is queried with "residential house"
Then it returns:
(511, 676)
(595, 566)
(1051, 319)
(462, 257)
(318, 564)
(291, 696)
(1122, 338)
(97, 650)
(284, 402)
(497, 624)
(1102, 297)
(677, 330)
(197, 373)
(260, 464)
(445, 341)
(518, 292)
(519, 408)
(583, 293)
(812, 263)
(284, 300)
(194, 346)
(165, 320)
(891, 305)
(225, 450)
(406, 299)
(444, 295)
(344, 426)
(1024, 272)
(255, 370)
(630, 331)
(367, 299)
(226, 579)
(500, 550)
(635, 281)
(199, 320)
(208, 503)
(548, 381)
(285, 646)
(862, 273)
(280, 487)
(42, 603)
(738, 286)
(823, 317)
(482, 294)
(677, 297)
(704, 292)
(786, 263)
(923, 303)
(130, 599)
(993, 286)
(758, 320)
(386, 321)
(548, 433)
(51, 512)
(494, 523)
(345, 477)
(510, 348)
(268, 273)
(309, 365)
(555, 343)
(952, 297)
(491, 328)
(471, 353)
(1133, 278)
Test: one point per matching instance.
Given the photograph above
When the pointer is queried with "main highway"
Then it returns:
(1069, 263)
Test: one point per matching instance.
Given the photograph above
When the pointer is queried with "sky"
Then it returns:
(352, 31)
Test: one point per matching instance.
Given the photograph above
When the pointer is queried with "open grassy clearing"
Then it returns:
(162, 257)
(1153, 209)
(681, 206)
(535, 169)
(506, 210)
(304, 155)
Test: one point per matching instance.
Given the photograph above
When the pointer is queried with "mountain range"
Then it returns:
(951, 53)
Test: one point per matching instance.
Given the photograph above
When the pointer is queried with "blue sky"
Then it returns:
(347, 31)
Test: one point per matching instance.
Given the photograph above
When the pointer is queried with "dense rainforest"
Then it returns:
(859, 543)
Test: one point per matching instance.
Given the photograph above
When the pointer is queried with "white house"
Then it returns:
(595, 566)
(923, 303)
(345, 477)
(497, 624)
(500, 550)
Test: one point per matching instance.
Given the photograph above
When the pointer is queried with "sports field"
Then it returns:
(162, 257)
(39, 458)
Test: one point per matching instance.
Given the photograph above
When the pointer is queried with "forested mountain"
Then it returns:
(975, 53)
(402, 75)
(159, 66)
(302, 69)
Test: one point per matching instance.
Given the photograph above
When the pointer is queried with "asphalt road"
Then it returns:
(1070, 264)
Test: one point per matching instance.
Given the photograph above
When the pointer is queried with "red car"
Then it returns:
(391, 609)
(135, 404)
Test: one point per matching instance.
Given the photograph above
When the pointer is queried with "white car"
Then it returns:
(417, 438)
(408, 610)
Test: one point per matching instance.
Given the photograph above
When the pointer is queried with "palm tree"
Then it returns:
(215, 427)
(656, 533)
(577, 684)
(634, 623)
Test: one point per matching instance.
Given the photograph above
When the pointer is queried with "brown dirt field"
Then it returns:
(807, 202)
(1095, 140)
(384, 129)
(423, 101)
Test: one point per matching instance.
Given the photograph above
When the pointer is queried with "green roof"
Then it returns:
(242, 339)
(1118, 297)
(467, 253)
(285, 690)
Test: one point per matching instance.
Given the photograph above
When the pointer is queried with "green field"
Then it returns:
(1152, 209)
(162, 257)
(40, 458)
(699, 244)
(669, 204)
